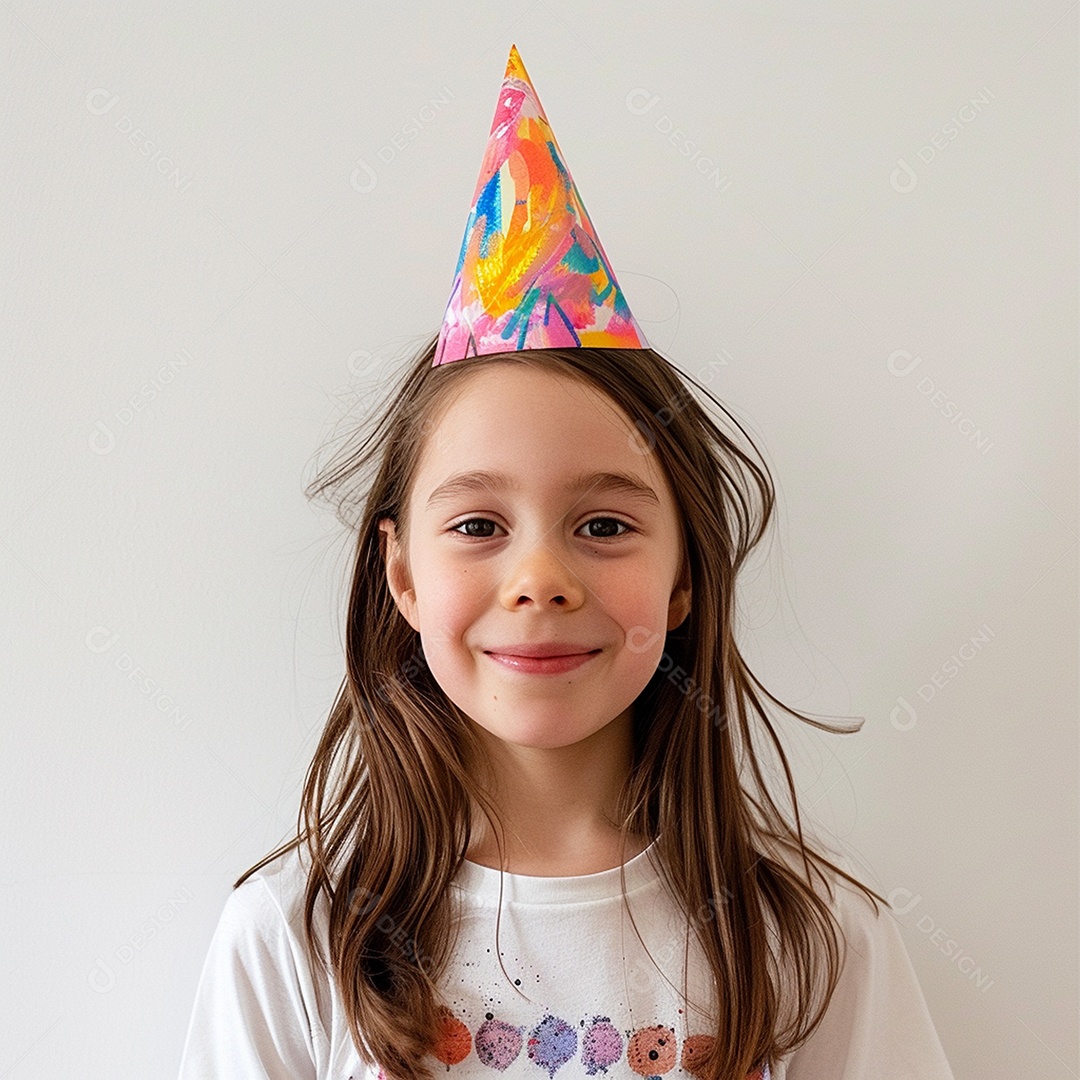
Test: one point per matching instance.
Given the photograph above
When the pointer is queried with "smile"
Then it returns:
(543, 665)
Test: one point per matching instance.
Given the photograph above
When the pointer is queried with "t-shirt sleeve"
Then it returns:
(249, 1019)
(877, 1022)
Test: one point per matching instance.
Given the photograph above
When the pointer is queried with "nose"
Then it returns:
(542, 576)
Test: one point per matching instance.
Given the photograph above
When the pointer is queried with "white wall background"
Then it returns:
(223, 221)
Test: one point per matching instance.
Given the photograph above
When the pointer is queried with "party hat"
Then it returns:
(531, 273)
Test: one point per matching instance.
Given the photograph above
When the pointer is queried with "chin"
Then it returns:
(539, 733)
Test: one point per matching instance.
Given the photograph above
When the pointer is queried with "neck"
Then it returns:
(557, 805)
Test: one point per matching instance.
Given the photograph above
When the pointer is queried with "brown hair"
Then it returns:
(385, 809)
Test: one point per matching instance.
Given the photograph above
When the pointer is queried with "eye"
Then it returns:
(472, 521)
(609, 521)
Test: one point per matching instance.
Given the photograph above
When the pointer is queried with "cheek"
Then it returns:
(448, 599)
(642, 614)
(640, 602)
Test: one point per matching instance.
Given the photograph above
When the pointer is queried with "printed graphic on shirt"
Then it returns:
(603, 1050)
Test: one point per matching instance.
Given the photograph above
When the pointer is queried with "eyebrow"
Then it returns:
(486, 480)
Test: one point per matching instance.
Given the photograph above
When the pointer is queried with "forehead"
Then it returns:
(534, 425)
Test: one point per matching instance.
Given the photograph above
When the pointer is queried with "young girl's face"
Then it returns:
(539, 552)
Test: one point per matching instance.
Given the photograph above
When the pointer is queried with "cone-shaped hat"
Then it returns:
(531, 273)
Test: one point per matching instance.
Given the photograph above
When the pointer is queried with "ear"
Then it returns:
(397, 574)
(679, 604)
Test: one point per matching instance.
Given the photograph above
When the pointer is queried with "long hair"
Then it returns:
(386, 803)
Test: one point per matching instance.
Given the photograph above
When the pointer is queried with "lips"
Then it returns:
(543, 649)
(543, 665)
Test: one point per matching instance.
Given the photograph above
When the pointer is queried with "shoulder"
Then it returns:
(267, 908)
(858, 913)
(283, 880)
(871, 949)
(877, 1021)
(256, 1010)
(862, 917)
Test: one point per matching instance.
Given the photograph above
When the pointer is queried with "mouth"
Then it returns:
(543, 665)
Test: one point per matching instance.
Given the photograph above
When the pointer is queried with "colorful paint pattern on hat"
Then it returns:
(531, 272)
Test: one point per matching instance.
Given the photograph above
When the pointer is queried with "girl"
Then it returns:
(536, 834)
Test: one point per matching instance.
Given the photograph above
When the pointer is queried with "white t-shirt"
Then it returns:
(580, 997)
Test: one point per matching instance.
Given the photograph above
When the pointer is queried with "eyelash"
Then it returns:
(596, 539)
